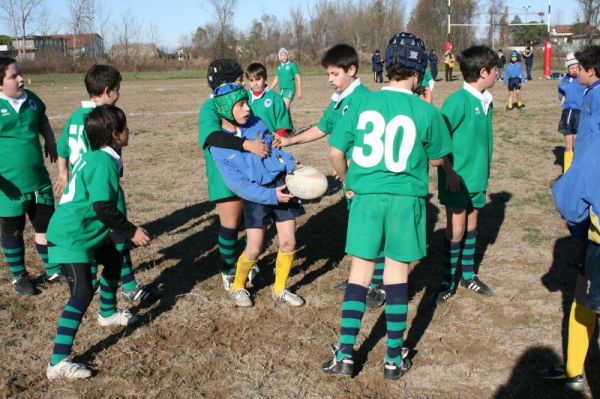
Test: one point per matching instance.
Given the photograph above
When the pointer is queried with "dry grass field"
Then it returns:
(194, 343)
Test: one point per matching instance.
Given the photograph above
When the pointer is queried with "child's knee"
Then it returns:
(287, 244)
(252, 251)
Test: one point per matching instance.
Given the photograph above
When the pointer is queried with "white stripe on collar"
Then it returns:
(397, 89)
(485, 97)
(114, 155)
(15, 102)
(88, 104)
(337, 98)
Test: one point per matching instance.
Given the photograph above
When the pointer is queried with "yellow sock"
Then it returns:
(519, 104)
(283, 265)
(567, 160)
(242, 269)
(582, 322)
(510, 106)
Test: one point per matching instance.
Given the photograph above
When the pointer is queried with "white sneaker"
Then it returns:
(253, 273)
(227, 281)
(241, 297)
(67, 369)
(289, 298)
(123, 318)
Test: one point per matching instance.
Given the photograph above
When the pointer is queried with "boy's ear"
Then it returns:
(352, 70)
(106, 91)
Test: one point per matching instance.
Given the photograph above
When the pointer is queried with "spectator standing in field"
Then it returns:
(501, 63)
(377, 67)
(449, 61)
(433, 64)
(528, 56)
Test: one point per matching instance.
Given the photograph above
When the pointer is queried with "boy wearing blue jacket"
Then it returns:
(513, 78)
(260, 183)
(577, 197)
(570, 94)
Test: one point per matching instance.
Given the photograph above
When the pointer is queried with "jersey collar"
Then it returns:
(254, 98)
(592, 87)
(88, 104)
(397, 90)
(485, 97)
(337, 98)
(15, 102)
(115, 156)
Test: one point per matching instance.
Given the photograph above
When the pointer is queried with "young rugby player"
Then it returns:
(25, 186)
(287, 77)
(513, 79)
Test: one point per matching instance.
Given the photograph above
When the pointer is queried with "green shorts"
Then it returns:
(287, 93)
(462, 199)
(398, 222)
(18, 204)
(217, 189)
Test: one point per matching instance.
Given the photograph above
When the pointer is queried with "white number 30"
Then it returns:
(384, 148)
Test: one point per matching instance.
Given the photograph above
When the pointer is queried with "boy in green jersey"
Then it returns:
(265, 103)
(392, 136)
(79, 234)
(228, 206)
(468, 113)
(25, 186)
(287, 78)
(103, 84)
(341, 63)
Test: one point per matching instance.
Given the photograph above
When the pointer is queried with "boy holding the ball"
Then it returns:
(392, 136)
(260, 183)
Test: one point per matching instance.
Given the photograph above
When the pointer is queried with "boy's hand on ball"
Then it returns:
(281, 196)
(257, 147)
(141, 237)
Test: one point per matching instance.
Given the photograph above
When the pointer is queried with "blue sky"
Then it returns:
(181, 17)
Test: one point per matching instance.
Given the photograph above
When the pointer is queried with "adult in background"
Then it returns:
(528, 58)
(433, 64)
(501, 63)
(449, 61)
(377, 67)
(287, 78)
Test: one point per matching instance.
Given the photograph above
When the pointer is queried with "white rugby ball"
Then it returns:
(307, 183)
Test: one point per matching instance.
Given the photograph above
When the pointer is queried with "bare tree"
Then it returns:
(127, 31)
(590, 16)
(223, 11)
(80, 21)
(18, 14)
(298, 27)
(494, 11)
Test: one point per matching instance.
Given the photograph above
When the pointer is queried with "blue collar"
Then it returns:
(592, 87)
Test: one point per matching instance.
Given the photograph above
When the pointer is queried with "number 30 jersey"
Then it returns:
(392, 135)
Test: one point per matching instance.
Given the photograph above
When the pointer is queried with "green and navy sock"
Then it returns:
(378, 273)
(51, 269)
(108, 300)
(94, 272)
(128, 282)
(228, 249)
(451, 254)
(353, 309)
(468, 255)
(396, 308)
(14, 252)
(68, 324)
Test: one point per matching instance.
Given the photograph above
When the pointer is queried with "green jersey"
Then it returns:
(468, 114)
(75, 225)
(209, 122)
(21, 160)
(286, 75)
(392, 134)
(339, 106)
(73, 142)
(271, 109)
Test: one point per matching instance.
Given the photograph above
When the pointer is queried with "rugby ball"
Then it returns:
(306, 183)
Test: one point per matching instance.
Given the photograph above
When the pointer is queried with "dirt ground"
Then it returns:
(195, 343)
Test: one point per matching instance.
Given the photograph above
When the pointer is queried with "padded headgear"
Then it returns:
(514, 54)
(226, 96)
(408, 51)
(570, 60)
(222, 71)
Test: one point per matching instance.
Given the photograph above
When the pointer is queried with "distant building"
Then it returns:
(561, 34)
(84, 45)
(134, 50)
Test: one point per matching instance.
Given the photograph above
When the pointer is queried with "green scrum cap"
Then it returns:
(226, 96)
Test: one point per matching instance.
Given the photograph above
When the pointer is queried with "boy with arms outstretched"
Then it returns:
(265, 103)
(79, 235)
(103, 84)
(341, 63)
(261, 184)
(25, 186)
(468, 113)
(392, 135)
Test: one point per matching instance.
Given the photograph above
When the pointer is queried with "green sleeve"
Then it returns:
(103, 182)
(295, 69)
(208, 122)
(454, 112)
(62, 145)
(342, 136)
(326, 122)
(282, 115)
(437, 143)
